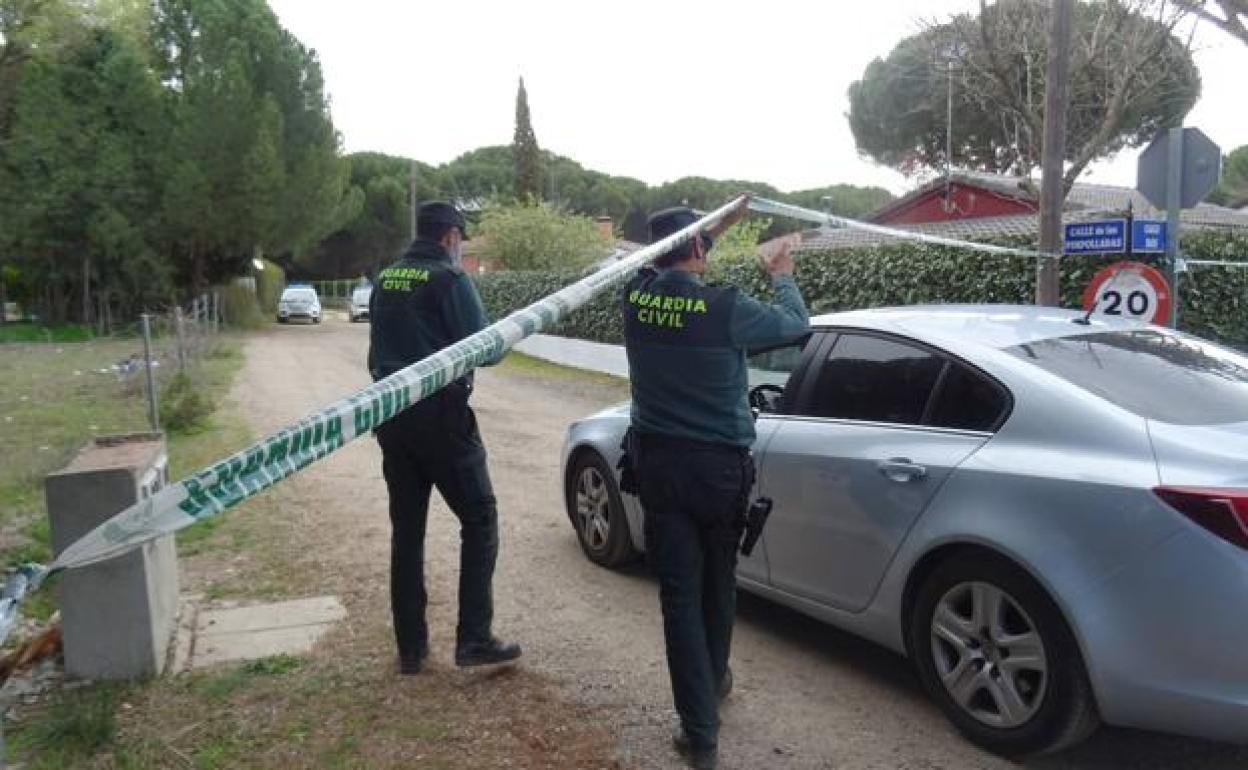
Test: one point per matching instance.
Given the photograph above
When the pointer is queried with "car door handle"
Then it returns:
(901, 470)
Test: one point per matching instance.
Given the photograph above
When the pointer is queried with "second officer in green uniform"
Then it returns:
(421, 304)
(693, 429)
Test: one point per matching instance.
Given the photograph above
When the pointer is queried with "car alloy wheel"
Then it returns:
(989, 655)
(596, 510)
(593, 508)
(997, 656)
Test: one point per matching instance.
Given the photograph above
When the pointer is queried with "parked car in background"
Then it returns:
(359, 302)
(1047, 515)
(299, 300)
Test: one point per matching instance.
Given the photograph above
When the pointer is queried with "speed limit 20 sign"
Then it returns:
(1129, 290)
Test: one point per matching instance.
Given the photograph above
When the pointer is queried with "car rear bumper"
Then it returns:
(1166, 640)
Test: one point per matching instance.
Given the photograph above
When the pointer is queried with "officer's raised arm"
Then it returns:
(758, 324)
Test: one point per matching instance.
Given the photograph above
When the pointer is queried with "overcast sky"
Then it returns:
(652, 90)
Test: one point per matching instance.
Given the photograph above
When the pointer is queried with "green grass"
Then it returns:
(28, 332)
(519, 362)
(220, 685)
(54, 399)
(74, 725)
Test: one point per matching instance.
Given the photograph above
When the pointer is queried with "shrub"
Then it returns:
(539, 237)
(184, 405)
(240, 307)
(269, 285)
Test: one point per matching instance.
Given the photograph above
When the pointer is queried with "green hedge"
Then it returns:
(1214, 300)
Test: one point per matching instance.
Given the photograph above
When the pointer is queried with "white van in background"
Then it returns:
(299, 300)
(359, 302)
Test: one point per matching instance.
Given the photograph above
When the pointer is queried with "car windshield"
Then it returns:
(362, 294)
(300, 295)
(1156, 375)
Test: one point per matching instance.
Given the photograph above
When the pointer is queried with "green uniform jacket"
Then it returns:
(420, 305)
(687, 344)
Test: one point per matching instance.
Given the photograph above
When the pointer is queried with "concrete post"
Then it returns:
(117, 616)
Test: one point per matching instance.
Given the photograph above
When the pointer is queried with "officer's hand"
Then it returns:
(777, 255)
(737, 214)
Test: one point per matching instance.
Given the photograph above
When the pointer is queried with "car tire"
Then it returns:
(316, 319)
(281, 320)
(1017, 684)
(597, 511)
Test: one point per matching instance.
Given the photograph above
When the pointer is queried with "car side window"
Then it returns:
(774, 368)
(874, 379)
(776, 365)
(968, 401)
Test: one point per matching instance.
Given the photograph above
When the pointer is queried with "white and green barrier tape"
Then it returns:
(776, 208)
(228, 482)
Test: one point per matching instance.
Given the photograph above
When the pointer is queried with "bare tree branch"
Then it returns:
(1234, 18)
(1144, 44)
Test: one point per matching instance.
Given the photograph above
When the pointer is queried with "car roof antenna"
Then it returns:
(1086, 320)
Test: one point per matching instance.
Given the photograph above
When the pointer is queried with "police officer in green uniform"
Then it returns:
(421, 304)
(692, 431)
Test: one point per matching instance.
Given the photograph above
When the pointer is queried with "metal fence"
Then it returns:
(336, 294)
(173, 341)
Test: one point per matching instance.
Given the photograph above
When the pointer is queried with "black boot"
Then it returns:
(413, 665)
(698, 757)
(486, 653)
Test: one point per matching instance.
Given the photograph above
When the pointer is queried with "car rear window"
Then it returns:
(1156, 375)
(967, 400)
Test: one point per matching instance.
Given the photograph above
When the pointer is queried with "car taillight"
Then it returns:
(1224, 512)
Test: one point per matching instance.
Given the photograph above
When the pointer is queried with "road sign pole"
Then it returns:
(1174, 185)
(1129, 235)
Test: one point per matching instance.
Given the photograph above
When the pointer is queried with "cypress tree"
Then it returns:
(527, 155)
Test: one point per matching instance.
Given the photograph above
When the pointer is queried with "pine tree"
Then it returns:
(527, 155)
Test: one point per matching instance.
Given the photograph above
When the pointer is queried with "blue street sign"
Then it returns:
(1148, 236)
(1105, 237)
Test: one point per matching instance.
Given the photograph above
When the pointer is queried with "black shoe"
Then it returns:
(725, 684)
(698, 757)
(486, 653)
(409, 664)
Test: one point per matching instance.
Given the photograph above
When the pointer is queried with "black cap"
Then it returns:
(664, 223)
(441, 213)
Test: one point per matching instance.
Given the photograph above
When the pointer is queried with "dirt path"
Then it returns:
(807, 695)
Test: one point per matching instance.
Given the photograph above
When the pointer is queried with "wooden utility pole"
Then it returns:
(1052, 185)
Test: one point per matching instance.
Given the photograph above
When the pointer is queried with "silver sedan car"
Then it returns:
(1047, 514)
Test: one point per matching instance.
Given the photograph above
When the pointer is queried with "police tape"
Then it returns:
(1211, 263)
(246, 473)
(22, 582)
(765, 206)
